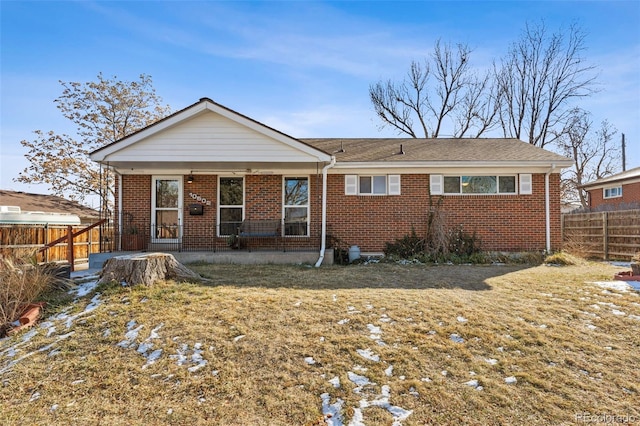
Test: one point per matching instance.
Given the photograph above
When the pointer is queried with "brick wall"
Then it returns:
(509, 223)
(503, 222)
(630, 195)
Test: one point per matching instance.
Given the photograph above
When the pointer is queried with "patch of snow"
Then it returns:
(106, 333)
(368, 354)
(53, 408)
(35, 396)
(510, 380)
(591, 327)
(621, 264)
(298, 303)
(335, 298)
(462, 319)
(491, 361)
(332, 412)
(335, 382)
(456, 338)
(357, 419)
(634, 317)
(375, 331)
(399, 414)
(309, 360)
(389, 371)
(617, 312)
(237, 338)
(84, 289)
(425, 379)
(358, 379)
(609, 304)
(384, 318)
(343, 321)
(472, 383)
(153, 357)
(77, 382)
(444, 373)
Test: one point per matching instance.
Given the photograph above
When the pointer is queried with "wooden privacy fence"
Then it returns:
(29, 240)
(603, 235)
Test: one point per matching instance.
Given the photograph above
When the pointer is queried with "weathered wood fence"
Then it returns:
(613, 235)
(28, 240)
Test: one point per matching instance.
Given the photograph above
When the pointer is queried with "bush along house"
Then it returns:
(208, 178)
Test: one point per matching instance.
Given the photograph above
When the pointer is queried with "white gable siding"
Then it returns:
(210, 137)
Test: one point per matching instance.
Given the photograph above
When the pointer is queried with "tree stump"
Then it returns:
(146, 269)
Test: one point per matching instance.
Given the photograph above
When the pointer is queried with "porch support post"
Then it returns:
(323, 236)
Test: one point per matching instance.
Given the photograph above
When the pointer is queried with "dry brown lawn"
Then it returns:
(367, 344)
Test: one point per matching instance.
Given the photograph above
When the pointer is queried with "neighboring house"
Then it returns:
(47, 204)
(615, 192)
(194, 177)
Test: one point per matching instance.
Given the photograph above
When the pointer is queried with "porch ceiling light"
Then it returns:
(190, 178)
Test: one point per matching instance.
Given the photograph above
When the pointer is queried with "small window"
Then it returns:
(372, 185)
(452, 184)
(614, 192)
(507, 184)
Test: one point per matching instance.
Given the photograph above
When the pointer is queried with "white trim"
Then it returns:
(244, 201)
(450, 164)
(308, 205)
(154, 225)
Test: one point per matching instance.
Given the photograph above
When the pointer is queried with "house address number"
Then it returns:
(200, 199)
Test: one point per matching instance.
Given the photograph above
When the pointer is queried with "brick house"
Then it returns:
(205, 174)
(615, 192)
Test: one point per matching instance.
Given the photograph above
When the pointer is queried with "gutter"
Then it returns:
(323, 236)
(547, 207)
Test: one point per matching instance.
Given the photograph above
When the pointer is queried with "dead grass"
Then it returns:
(558, 336)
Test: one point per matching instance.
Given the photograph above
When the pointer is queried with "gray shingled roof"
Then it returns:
(47, 204)
(441, 149)
(629, 174)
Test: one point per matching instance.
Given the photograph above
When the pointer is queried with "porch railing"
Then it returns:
(259, 236)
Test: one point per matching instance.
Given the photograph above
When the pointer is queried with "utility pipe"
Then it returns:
(547, 206)
(119, 209)
(323, 241)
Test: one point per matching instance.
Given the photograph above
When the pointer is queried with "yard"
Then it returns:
(376, 344)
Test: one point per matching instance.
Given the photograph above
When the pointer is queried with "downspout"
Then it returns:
(323, 236)
(119, 210)
(547, 207)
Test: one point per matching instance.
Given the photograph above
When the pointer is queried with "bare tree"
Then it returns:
(103, 111)
(594, 153)
(540, 75)
(442, 90)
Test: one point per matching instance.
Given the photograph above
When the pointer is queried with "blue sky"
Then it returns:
(301, 67)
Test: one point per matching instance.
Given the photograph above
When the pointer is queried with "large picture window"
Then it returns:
(167, 202)
(479, 184)
(296, 206)
(230, 205)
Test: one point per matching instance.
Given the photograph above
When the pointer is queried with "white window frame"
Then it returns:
(618, 190)
(308, 206)
(438, 187)
(393, 185)
(244, 200)
(154, 209)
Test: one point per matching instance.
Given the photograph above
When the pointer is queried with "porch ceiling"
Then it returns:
(211, 167)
